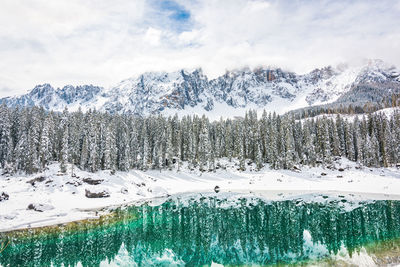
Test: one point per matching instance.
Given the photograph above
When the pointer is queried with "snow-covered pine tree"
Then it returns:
(21, 156)
(93, 140)
(6, 142)
(35, 126)
(45, 148)
(30, 138)
(64, 150)
(242, 148)
(349, 139)
(204, 146)
(124, 147)
(229, 140)
(358, 139)
(374, 154)
(334, 138)
(146, 156)
(310, 157)
(396, 135)
(259, 156)
(77, 129)
(341, 134)
(385, 140)
(84, 153)
(110, 149)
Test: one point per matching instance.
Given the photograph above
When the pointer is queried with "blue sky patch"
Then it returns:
(178, 12)
(173, 15)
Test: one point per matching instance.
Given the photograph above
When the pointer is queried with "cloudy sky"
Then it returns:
(102, 42)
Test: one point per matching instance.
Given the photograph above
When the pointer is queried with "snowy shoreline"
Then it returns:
(56, 199)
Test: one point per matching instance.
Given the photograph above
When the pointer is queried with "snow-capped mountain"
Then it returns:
(46, 96)
(191, 91)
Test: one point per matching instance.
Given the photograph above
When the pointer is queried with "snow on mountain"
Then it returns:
(388, 112)
(57, 99)
(229, 95)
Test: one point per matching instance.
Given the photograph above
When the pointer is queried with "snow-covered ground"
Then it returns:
(62, 198)
(388, 112)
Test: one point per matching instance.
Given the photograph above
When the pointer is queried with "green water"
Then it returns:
(202, 230)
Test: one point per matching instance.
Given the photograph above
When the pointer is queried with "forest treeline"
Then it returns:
(32, 138)
(349, 108)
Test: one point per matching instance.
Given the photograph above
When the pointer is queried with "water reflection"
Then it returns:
(209, 229)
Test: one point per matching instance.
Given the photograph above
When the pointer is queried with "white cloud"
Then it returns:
(103, 42)
(188, 37)
(153, 36)
(256, 6)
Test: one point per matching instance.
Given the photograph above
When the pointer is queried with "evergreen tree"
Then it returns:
(204, 146)
(64, 151)
(110, 152)
(374, 154)
(124, 162)
(349, 141)
(309, 143)
(45, 144)
(84, 153)
(6, 142)
(31, 138)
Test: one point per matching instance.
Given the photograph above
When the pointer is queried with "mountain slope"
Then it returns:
(227, 95)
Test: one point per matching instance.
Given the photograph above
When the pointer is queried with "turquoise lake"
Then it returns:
(202, 230)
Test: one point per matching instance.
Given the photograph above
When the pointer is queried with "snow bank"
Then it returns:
(66, 194)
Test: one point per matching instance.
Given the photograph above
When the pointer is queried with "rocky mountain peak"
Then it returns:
(192, 91)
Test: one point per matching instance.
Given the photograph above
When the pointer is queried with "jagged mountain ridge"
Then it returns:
(192, 91)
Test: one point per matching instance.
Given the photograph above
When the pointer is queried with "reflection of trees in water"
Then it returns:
(251, 232)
